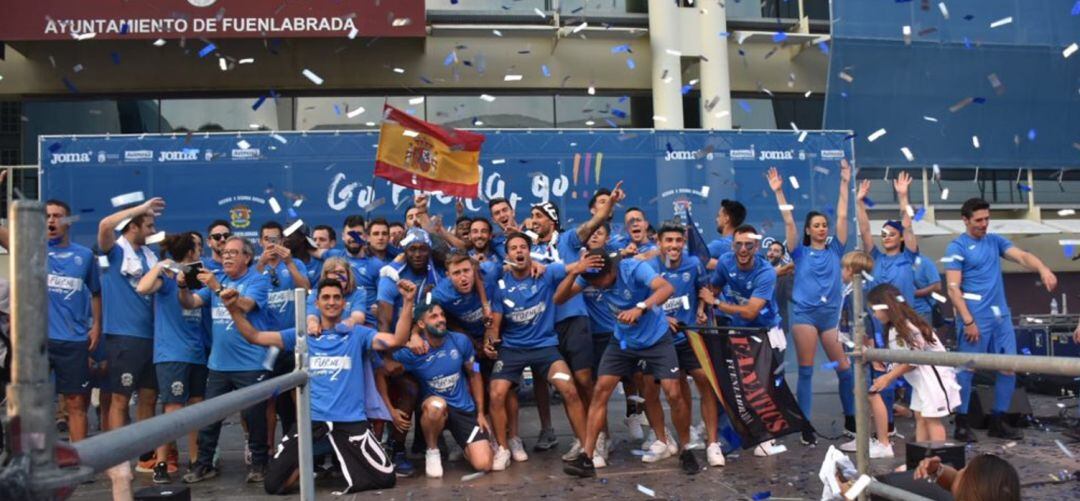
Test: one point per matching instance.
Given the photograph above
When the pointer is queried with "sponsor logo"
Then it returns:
(70, 158)
(248, 154)
(776, 155)
(445, 383)
(686, 155)
(138, 156)
(330, 366)
(743, 154)
(240, 216)
(832, 154)
(186, 155)
(101, 157)
(527, 315)
(209, 155)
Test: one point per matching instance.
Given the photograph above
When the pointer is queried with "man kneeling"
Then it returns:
(340, 380)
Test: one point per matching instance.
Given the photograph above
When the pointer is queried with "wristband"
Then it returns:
(972, 322)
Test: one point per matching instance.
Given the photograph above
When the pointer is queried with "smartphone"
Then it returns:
(191, 274)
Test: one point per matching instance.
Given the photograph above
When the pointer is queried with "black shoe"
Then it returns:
(963, 431)
(849, 426)
(808, 438)
(1000, 429)
(199, 474)
(688, 462)
(581, 466)
(161, 473)
(255, 474)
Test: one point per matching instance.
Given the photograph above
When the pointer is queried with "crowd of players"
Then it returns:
(418, 327)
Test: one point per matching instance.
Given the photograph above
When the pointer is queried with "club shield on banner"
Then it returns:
(740, 367)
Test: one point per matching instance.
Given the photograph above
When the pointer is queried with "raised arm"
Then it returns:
(1032, 263)
(106, 237)
(901, 185)
(842, 202)
(300, 279)
(862, 217)
(568, 287)
(151, 281)
(385, 341)
(603, 212)
(230, 298)
(776, 183)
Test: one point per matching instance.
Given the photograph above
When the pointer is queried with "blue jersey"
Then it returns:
(601, 320)
(314, 271)
(464, 310)
(527, 308)
(367, 278)
(926, 274)
(440, 370)
(230, 352)
(561, 251)
(896, 270)
(817, 275)
(73, 281)
(179, 333)
(338, 388)
(388, 291)
(742, 285)
(980, 262)
(125, 312)
(687, 278)
(720, 246)
(354, 302)
(633, 284)
(281, 301)
(209, 263)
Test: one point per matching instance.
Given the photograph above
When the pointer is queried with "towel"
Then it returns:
(132, 266)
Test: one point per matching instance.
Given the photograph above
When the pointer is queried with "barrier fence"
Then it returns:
(35, 471)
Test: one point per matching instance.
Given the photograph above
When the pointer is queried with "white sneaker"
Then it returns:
(769, 448)
(879, 450)
(502, 459)
(602, 446)
(598, 461)
(715, 454)
(433, 463)
(574, 452)
(634, 422)
(659, 451)
(848, 446)
(517, 450)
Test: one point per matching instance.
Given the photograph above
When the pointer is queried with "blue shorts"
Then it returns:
(512, 361)
(70, 361)
(661, 359)
(575, 342)
(131, 364)
(995, 336)
(823, 318)
(179, 381)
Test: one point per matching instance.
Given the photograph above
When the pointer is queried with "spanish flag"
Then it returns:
(424, 156)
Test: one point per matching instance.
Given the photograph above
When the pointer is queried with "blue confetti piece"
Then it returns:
(115, 57)
(70, 86)
(620, 48)
(544, 70)
(453, 2)
(618, 113)
(1023, 187)
(1076, 9)
(920, 213)
(337, 110)
(623, 99)
(868, 202)
(207, 50)
(979, 100)
(967, 42)
(880, 343)
(611, 124)
(1068, 251)
(843, 94)
(1031, 134)
(851, 136)
(449, 59)
(724, 34)
(829, 366)
(767, 494)
(744, 105)
(1025, 351)
(824, 47)
(742, 53)
(622, 344)
(780, 36)
(686, 89)
(969, 17)
(55, 147)
(630, 63)
(728, 433)
(292, 213)
(258, 103)
(476, 367)
(356, 236)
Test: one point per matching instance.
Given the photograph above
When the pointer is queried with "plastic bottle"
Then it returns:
(1053, 306)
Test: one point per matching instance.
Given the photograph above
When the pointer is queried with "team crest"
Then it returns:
(421, 156)
(240, 216)
(177, 388)
(498, 367)
(126, 380)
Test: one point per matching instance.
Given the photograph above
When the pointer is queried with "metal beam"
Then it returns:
(1058, 366)
(303, 402)
(895, 493)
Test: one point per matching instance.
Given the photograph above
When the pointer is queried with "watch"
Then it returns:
(642, 306)
(219, 290)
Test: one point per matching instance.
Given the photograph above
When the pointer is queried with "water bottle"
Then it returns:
(1053, 306)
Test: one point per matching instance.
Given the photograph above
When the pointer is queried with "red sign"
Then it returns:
(152, 19)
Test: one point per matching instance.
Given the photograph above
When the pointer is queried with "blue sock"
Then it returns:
(1003, 391)
(847, 390)
(804, 391)
(964, 378)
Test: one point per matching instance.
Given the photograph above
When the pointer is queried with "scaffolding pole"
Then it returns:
(1058, 366)
(303, 403)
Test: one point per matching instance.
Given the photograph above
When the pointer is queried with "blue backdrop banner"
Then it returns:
(322, 177)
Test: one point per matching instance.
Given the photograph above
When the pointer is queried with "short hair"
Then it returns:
(455, 257)
(735, 211)
(378, 222)
(137, 221)
(670, 228)
(61, 204)
(971, 205)
(481, 220)
(633, 209)
(745, 228)
(271, 225)
(326, 282)
(517, 234)
(600, 192)
(398, 224)
(857, 261)
(331, 234)
(611, 260)
(215, 223)
(496, 201)
(248, 249)
(178, 245)
(462, 219)
(354, 220)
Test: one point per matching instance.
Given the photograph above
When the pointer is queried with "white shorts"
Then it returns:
(936, 392)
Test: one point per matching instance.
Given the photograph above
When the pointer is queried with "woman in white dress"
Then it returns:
(936, 392)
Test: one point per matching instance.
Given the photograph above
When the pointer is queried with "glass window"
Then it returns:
(84, 117)
(581, 7)
(213, 115)
(580, 112)
(511, 112)
(487, 5)
(1056, 186)
(344, 113)
(747, 113)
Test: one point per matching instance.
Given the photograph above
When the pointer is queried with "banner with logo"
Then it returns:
(321, 177)
(742, 371)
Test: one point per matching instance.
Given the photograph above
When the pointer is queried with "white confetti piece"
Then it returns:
(156, 238)
(243, 145)
(910, 210)
(579, 27)
(794, 182)
(539, 13)
(103, 262)
(821, 170)
(659, 118)
(123, 224)
(315, 79)
(938, 297)
(352, 33)
(274, 206)
(945, 194)
(410, 133)
(512, 78)
(685, 303)
(160, 42)
(906, 31)
(858, 487)
(508, 303)
(646, 491)
(944, 9)
(224, 65)
(293, 227)
(845, 77)
(705, 191)
(416, 100)
(929, 119)
(311, 242)
(592, 90)
(996, 310)
(399, 71)
(975, 141)
(401, 21)
(907, 154)
(879, 307)
(787, 207)
(498, 161)
(561, 376)
(673, 52)
(279, 138)
(1001, 22)
(355, 113)
(472, 476)
(1063, 448)
(877, 134)
(1066, 212)
(502, 284)
(1070, 50)
(390, 273)
(487, 98)
(532, 235)
(867, 276)
(971, 296)
(808, 93)
(802, 136)
(83, 36)
(128, 198)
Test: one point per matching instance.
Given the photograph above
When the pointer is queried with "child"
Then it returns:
(936, 392)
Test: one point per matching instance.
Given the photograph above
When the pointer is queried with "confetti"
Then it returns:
(410, 133)
(858, 487)
(1066, 212)
(472, 476)
(401, 21)
(416, 100)
(159, 42)
(315, 79)
(879, 307)
(579, 27)
(512, 78)
(355, 113)
(156, 238)
(274, 206)
(971, 296)
(646, 491)
(1063, 448)
(487, 98)
(829, 366)
(846, 77)
(1001, 22)
(779, 36)
(83, 36)
(630, 63)
(787, 207)
(539, 13)
(762, 495)
(544, 69)
(1070, 50)
(975, 141)
(293, 227)
(207, 50)
(103, 262)
(128, 198)
(561, 376)
(794, 182)
(944, 9)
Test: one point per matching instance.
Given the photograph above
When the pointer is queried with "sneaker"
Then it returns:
(848, 446)
(545, 442)
(1000, 429)
(849, 427)
(688, 463)
(517, 449)
(769, 448)
(146, 463)
(581, 466)
(255, 474)
(893, 433)
(808, 438)
(433, 463)
(714, 454)
(199, 474)
(403, 468)
(161, 473)
(502, 459)
(603, 448)
(574, 452)
(599, 461)
(880, 450)
(634, 422)
(963, 431)
(659, 451)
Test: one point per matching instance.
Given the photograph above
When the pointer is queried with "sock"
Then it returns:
(804, 391)
(847, 390)
(964, 378)
(1003, 391)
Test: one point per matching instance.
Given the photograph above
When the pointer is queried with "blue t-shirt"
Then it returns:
(687, 278)
(526, 305)
(817, 275)
(633, 284)
(281, 300)
(566, 250)
(441, 370)
(601, 320)
(719, 247)
(896, 270)
(125, 312)
(209, 263)
(926, 273)
(367, 278)
(336, 371)
(73, 281)
(179, 333)
(388, 291)
(980, 262)
(314, 271)
(742, 285)
(464, 310)
(353, 303)
(230, 352)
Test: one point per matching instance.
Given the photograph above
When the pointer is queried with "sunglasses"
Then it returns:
(745, 245)
(220, 236)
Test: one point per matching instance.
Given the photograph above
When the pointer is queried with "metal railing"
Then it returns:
(33, 472)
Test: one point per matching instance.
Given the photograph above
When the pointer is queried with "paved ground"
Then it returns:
(792, 475)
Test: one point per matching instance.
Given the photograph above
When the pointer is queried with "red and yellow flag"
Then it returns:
(424, 156)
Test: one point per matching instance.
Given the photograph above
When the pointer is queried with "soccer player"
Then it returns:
(216, 234)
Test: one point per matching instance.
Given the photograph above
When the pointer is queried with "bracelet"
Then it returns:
(219, 290)
(972, 322)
